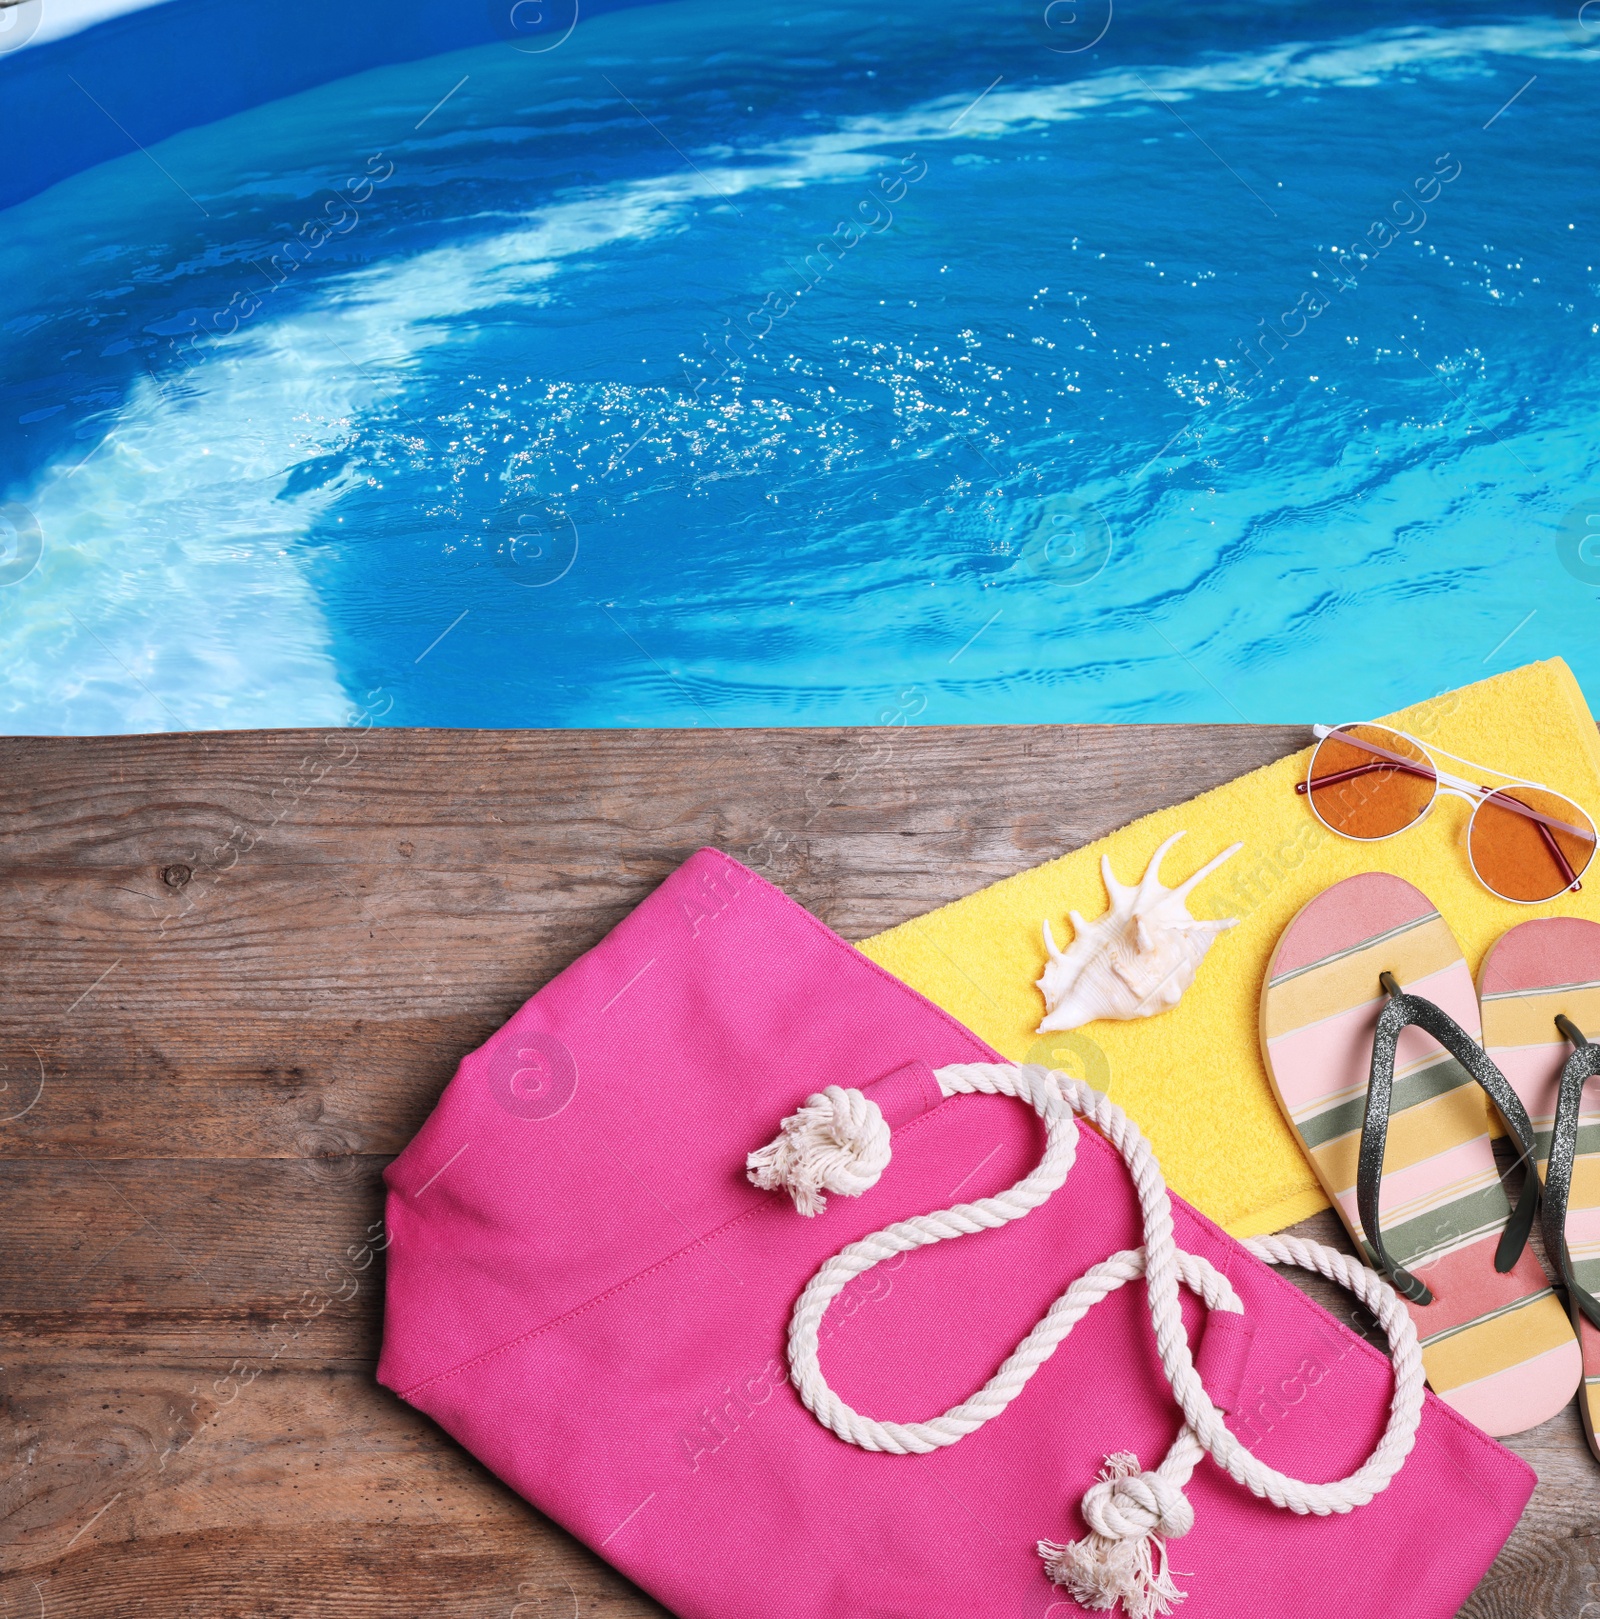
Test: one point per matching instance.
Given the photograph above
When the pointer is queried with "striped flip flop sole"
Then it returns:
(1498, 1348)
(1535, 971)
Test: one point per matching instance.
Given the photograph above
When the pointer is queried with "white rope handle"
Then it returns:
(840, 1142)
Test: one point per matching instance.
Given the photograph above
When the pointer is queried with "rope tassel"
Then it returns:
(1123, 1559)
(838, 1142)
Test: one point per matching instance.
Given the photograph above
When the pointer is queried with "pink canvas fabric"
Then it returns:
(585, 1291)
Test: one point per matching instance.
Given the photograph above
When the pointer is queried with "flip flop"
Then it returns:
(1377, 1079)
(1537, 972)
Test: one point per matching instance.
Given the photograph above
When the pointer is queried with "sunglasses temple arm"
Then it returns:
(1503, 800)
(1542, 823)
(1390, 762)
(1555, 851)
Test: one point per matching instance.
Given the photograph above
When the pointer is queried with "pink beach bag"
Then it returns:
(749, 1411)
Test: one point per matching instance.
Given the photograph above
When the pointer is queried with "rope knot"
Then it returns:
(838, 1142)
(1127, 1503)
(1131, 1515)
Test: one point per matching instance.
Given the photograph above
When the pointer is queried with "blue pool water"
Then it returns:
(755, 364)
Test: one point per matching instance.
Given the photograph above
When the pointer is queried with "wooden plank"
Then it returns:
(141, 1489)
(194, 1260)
(237, 971)
(429, 873)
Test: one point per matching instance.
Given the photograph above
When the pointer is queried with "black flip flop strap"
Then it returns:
(1402, 1011)
(1582, 1065)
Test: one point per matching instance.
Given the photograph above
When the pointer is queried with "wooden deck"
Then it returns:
(237, 971)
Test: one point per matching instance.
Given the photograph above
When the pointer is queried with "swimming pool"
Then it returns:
(714, 363)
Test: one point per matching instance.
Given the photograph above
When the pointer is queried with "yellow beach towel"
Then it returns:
(1193, 1077)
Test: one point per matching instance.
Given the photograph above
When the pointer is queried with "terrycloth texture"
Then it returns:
(1193, 1078)
(585, 1290)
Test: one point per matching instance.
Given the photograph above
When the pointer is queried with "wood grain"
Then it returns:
(236, 973)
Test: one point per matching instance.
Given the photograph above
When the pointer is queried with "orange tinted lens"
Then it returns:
(1529, 844)
(1370, 782)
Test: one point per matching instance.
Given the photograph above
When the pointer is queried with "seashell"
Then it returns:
(1138, 958)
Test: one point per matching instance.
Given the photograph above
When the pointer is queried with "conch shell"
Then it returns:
(1138, 958)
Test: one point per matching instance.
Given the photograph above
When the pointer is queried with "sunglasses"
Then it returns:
(1526, 843)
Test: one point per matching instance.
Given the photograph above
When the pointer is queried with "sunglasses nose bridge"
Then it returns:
(1444, 787)
(1464, 821)
(1464, 835)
